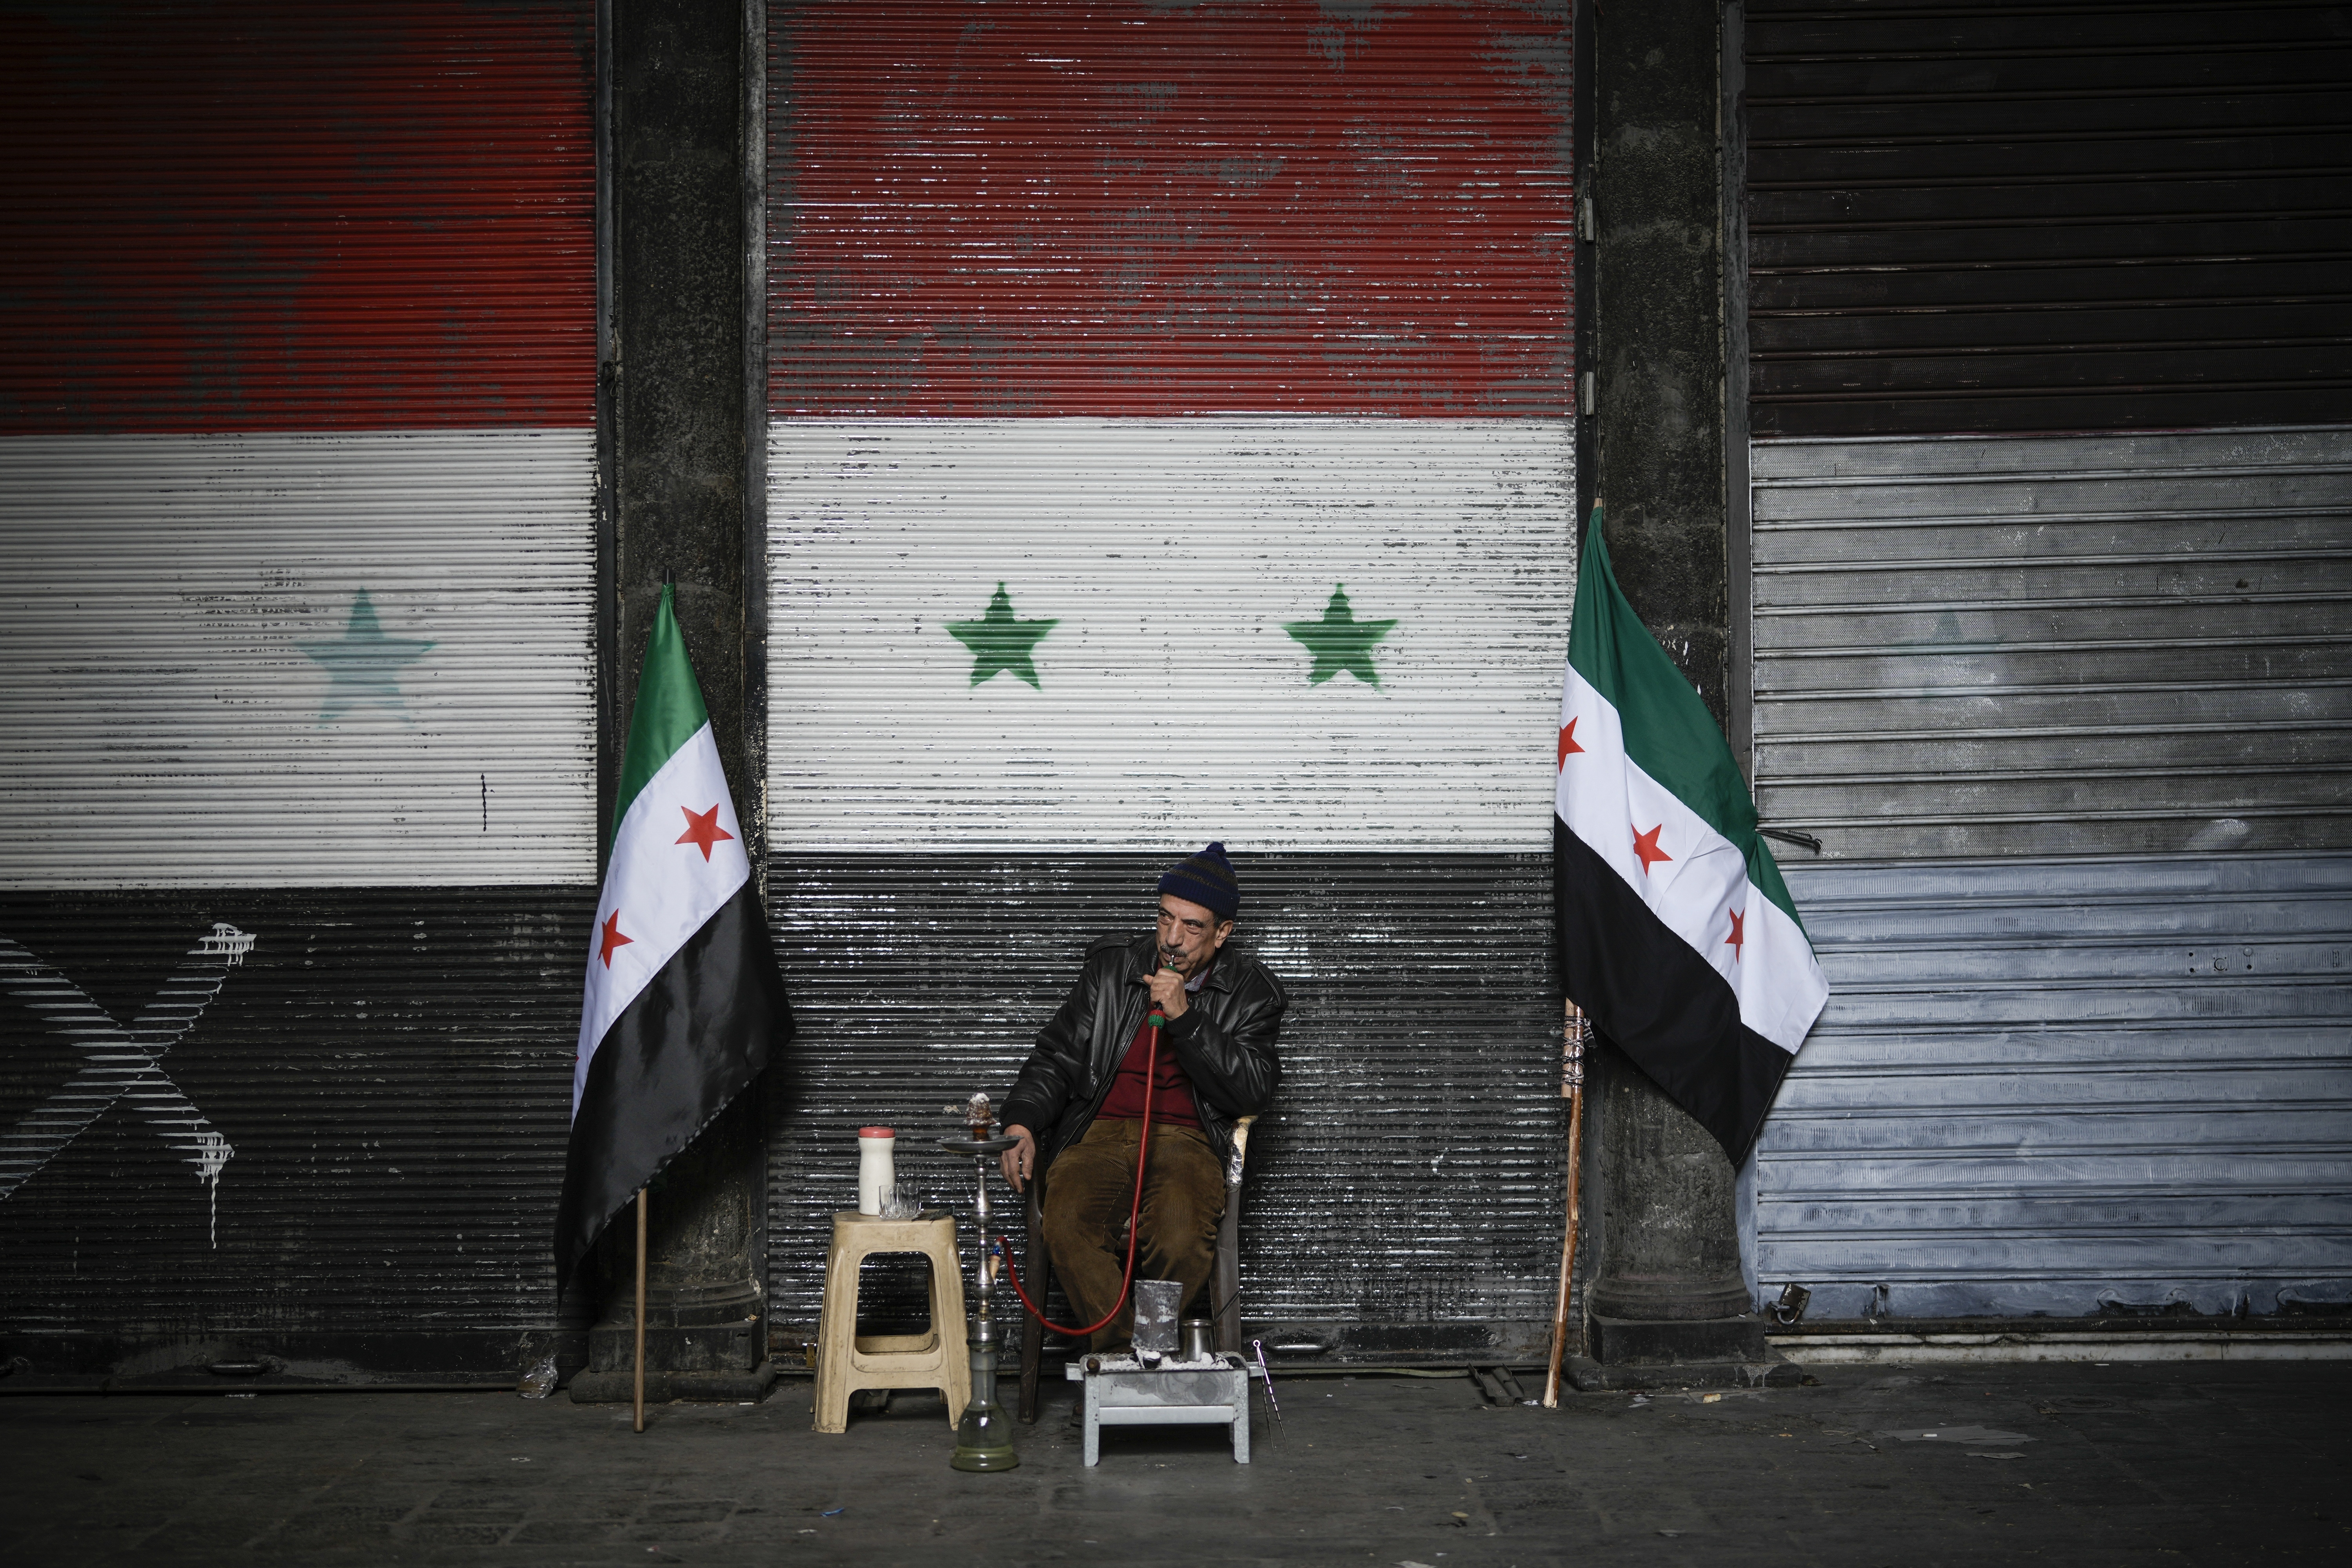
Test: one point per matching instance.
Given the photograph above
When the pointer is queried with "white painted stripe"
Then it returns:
(1173, 706)
(663, 889)
(1610, 802)
(169, 627)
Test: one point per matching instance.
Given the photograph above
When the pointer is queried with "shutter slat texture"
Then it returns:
(2055, 645)
(304, 659)
(1191, 330)
(388, 1074)
(2066, 1088)
(268, 215)
(297, 398)
(2020, 217)
(1072, 207)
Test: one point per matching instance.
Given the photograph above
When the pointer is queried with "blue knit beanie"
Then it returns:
(1207, 880)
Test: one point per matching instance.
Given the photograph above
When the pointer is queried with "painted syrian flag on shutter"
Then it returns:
(1678, 935)
(298, 445)
(684, 1002)
(1207, 409)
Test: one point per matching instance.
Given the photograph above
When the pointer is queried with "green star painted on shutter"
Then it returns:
(364, 666)
(999, 643)
(1339, 641)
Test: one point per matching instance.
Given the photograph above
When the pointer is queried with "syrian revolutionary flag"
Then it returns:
(684, 1000)
(1677, 936)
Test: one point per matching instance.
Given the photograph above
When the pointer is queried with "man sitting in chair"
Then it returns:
(1081, 1094)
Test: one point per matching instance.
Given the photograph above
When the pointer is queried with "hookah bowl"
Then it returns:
(984, 1437)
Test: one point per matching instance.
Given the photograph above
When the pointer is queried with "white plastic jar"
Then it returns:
(877, 1170)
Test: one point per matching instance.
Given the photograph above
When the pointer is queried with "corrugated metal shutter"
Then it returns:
(381, 637)
(387, 1090)
(2101, 1064)
(1073, 207)
(2026, 217)
(261, 214)
(1405, 1192)
(2069, 1086)
(2062, 708)
(296, 400)
(297, 405)
(2056, 646)
(1171, 444)
(1171, 558)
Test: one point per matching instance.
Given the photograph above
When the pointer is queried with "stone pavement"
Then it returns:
(2191, 1464)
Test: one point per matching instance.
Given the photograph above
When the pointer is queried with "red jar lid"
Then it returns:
(876, 1132)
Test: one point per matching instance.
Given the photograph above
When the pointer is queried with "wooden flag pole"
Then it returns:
(641, 1310)
(1575, 1031)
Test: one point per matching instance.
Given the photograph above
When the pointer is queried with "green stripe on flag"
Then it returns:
(669, 707)
(1669, 733)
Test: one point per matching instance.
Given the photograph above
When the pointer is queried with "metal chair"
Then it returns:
(1224, 1275)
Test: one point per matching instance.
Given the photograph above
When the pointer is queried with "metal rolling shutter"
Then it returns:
(2066, 1087)
(385, 1077)
(2093, 645)
(296, 407)
(2077, 710)
(2037, 216)
(2068, 712)
(1188, 328)
(381, 635)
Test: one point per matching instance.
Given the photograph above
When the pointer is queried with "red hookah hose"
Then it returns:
(1134, 1216)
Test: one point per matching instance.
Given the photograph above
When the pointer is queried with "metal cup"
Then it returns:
(1197, 1346)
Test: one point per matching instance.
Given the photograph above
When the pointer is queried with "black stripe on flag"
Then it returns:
(1660, 1003)
(696, 1035)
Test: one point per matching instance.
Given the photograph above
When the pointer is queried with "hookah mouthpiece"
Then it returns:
(1158, 1020)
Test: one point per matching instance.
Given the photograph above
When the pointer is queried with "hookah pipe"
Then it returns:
(1155, 1023)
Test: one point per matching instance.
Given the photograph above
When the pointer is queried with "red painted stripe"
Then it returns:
(268, 215)
(1090, 206)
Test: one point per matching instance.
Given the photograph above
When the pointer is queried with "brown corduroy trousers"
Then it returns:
(1089, 1190)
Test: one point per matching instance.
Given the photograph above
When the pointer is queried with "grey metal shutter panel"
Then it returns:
(2098, 644)
(2071, 718)
(2065, 1088)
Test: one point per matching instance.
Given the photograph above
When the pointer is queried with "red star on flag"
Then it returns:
(1645, 845)
(702, 829)
(1738, 939)
(1567, 743)
(613, 938)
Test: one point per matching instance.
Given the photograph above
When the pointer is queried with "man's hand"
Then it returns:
(1168, 995)
(1019, 1162)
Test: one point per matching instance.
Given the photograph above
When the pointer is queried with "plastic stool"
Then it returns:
(845, 1363)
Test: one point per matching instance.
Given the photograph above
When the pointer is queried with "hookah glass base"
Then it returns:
(984, 1437)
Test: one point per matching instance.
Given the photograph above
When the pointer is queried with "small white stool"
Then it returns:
(846, 1362)
(1122, 1392)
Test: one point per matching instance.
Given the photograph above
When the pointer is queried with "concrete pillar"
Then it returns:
(1669, 1286)
(681, 410)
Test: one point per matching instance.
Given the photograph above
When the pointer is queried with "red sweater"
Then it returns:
(1171, 1094)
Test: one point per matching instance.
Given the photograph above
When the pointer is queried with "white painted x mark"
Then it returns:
(119, 1062)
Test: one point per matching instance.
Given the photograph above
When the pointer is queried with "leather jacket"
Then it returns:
(1224, 1043)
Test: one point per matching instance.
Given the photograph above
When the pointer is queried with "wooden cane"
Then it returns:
(641, 1310)
(1575, 1030)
